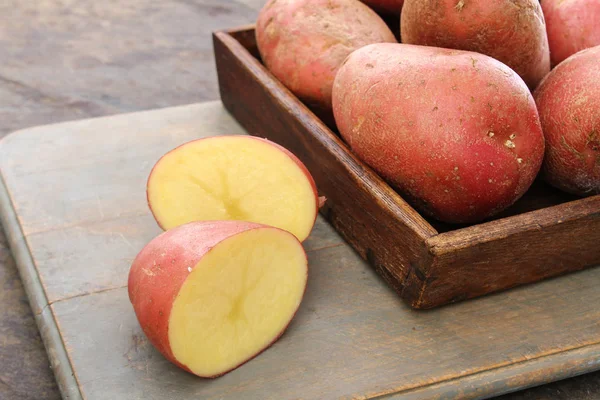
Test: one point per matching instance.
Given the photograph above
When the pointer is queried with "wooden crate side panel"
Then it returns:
(502, 254)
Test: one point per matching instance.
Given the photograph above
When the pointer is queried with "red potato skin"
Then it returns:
(456, 132)
(511, 31)
(161, 268)
(385, 6)
(283, 149)
(572, 26)
(303, 43)
(568, 101)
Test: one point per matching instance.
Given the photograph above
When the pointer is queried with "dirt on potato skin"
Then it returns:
(457, 133)
(568, 100)
(511, 31)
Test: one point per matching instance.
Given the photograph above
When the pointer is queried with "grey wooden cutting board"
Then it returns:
(73, 204)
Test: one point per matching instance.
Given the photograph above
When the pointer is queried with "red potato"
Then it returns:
(511, 31)
(572, 26)
(233, 178)
(568, 101)
(455, 132)
(212, 295)
(385, 6)
(303, 43)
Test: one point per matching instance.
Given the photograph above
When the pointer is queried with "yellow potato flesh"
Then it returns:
(237, 300)
(232, 178)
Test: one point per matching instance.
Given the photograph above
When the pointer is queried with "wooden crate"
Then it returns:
(545, 234)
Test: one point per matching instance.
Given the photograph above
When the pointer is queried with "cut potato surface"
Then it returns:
(238, 299)
(212, 295)
(233, 178)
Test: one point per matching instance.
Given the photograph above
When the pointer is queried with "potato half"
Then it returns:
(233, 178)
(212, 295)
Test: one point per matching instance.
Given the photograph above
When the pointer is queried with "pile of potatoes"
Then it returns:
(462, 115)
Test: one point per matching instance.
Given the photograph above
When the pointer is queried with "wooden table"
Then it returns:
(65, 60)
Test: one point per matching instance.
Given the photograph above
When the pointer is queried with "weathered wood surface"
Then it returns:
(352, 337)
(65, 60)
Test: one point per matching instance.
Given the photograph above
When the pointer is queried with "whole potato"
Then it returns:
(456, 132)
(303, 42)
(385, 6)
(511, 31)
(572, 26)
(568, 101)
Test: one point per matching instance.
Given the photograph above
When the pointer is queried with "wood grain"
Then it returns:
(65, 60)
(521, 249)
(427, 263)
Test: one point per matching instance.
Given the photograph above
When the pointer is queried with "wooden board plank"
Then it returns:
(352, 338)
(344, 343)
